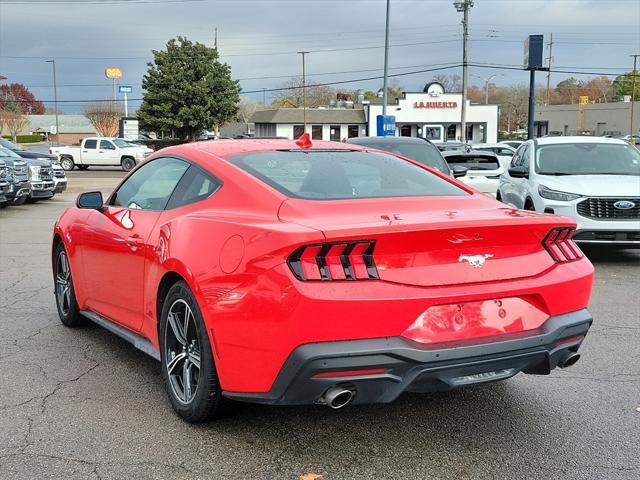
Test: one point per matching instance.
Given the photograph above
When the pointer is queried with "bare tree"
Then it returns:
(451, 83)
(104, 116)
(291, 96)
(15, 122)
(246, 109)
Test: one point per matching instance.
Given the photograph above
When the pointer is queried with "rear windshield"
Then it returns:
(587, 159)
(424, 153)
(474, 162)
(342, 174)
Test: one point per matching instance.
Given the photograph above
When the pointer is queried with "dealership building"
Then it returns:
(432, 114)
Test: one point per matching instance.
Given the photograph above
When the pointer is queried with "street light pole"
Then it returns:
(385, 81)
(55, 98)
(633, 92)
(464, 6)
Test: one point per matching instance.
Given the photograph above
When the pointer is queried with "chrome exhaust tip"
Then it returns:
(338, 397)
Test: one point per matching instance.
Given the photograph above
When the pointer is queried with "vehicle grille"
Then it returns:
(59, 173)
(608, 236)
(46, 173)
(602, 208)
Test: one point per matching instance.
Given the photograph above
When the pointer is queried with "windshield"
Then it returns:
(425, 153)
(342, 174)
(474, 162)
(122, 143)
(7, 144)
(587, 159)
(5, 152)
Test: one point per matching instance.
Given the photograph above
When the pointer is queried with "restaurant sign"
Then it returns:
(435, 105)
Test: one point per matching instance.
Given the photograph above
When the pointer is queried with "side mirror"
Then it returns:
(519, 172)
(459, 171)
(90, 200)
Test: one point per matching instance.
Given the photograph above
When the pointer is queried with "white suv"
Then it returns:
(595, 180)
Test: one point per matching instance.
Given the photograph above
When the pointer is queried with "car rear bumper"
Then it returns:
(401, 365)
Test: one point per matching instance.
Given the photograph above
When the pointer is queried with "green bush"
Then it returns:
(159, 143)
(26, 138)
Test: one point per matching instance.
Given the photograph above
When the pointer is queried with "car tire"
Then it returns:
(66, 303)
(528, 205)
(128, 164)
(67, 163)
(186, 358)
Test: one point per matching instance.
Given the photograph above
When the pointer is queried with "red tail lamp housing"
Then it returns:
(560, 245)
(334, 261)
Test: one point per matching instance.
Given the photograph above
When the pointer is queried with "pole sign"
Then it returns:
(125, 88)
(113, 72)
(386, 125)
(533, 52)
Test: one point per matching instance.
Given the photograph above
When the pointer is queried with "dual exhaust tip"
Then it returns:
(338, 397)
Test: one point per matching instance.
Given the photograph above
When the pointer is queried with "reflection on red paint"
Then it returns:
(445, 323)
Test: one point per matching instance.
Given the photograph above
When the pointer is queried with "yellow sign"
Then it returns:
(583, 100)
(113, 72)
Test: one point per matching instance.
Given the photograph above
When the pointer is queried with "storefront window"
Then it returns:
(298, 130)
(405, 131)
(433, 133)
(335, 133)
(353, 131)
(451, 132)
(316, 132)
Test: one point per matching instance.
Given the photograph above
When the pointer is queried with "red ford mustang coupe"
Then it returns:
(286, 273)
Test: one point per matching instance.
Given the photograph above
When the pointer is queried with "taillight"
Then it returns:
(334, 261)
(560, 245)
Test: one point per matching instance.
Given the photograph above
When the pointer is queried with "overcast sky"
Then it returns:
(259, 38)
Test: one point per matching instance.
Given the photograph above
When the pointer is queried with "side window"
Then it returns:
(525, 157)
(195, 185)
(106, 145)
(516, 157)
(151, 185)
(90, 144)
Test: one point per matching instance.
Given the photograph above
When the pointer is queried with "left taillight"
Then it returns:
(560, 245)
(334, 261)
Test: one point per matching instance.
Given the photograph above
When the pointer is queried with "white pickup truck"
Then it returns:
(101, 151)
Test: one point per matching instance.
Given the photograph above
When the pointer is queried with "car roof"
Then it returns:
(496, 145)
(385, 140)
(578, 139)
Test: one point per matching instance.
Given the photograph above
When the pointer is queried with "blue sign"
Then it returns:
(386, 125)
(125, 88)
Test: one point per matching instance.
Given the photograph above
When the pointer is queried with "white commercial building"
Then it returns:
(432, 114)
(436, 115)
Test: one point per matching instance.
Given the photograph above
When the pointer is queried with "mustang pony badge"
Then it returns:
(475, 261)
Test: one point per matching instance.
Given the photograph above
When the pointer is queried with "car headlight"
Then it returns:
(3, 172)
(34, 172)
(556, 195)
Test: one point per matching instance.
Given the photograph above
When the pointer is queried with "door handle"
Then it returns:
(135, 242)
(100, 151)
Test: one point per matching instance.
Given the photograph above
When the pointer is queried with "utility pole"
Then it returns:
(304, 90)
(264, 96)
(385, 82)
(633, 92)
(215, 38)
(464, 6)
(55, 97)
(550, 59)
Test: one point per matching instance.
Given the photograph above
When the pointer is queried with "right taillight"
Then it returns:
(560, 245)
(334, 261)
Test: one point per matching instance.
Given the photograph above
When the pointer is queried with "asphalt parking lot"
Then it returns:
(85, 404)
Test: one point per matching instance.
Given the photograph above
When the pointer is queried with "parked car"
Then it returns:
(19, 187)
(418, 149)
(483, 169)
(513, 143)
(4, 184)
(27, 153)
(284, 272)
(504, 152)
(453, 147)
(59, 178)
(594, 180)
(101, 151)
(40, 179)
